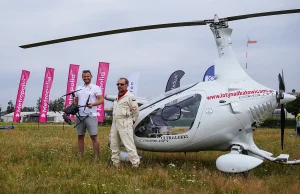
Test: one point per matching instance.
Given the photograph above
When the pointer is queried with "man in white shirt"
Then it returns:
(93, 94)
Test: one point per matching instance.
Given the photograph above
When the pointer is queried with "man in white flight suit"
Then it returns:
(125, 113)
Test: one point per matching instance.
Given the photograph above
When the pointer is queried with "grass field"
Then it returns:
(45, 160)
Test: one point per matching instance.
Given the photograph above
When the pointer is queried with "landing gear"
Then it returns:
(244, 174)
(237, 161)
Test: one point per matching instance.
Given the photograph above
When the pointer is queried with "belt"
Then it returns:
(121, 116)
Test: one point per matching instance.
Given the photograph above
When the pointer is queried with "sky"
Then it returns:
(156, 54)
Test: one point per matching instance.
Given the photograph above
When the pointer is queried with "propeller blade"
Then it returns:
(239, 17)
(283, 79)
(282, 124)
(281, 83)
(118, 31)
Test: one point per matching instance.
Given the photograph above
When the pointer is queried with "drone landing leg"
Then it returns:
(80, 120)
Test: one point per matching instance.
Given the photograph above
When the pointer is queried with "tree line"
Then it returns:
(54, 105)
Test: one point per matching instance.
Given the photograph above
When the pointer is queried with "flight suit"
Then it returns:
(125, 113)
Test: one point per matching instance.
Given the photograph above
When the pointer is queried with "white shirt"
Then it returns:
(92, 90)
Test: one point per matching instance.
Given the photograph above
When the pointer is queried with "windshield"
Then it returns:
(166, 95)
(154, 125)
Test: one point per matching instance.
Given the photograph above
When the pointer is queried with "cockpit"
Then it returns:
(173, 117)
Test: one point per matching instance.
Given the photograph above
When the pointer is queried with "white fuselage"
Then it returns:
(224, 118)
(229, 108)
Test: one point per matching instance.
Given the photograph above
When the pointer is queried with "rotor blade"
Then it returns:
(118, 31)
(282, 124)
(281, 83)
(239, 17)
(157, 26)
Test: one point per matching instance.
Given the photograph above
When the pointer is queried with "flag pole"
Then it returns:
(249, 42)
(247, 53)
(40, 101)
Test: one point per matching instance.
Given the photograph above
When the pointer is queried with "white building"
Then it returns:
(9, 117)
(33, 117)
(277, 113)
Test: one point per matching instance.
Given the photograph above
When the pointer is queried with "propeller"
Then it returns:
(71, 93)
(282, 113)
(216, 20)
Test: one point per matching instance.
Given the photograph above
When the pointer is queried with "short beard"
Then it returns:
(87, 83)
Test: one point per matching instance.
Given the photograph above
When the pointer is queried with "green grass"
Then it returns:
(45, 160)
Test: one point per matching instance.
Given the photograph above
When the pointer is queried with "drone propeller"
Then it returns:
(158, 26)
(71, 93)
(282, 113)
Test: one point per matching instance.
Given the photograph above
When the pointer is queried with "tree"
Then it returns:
(294, 106)
(53, 105)
(38, 104)
(60, 103)
(10, 108)
(28, 109)
(57, 104)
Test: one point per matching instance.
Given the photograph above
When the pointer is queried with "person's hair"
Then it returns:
(86, 71)
(126, 80)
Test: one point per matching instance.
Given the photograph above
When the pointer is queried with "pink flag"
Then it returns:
(21, 95)
(48, 79)
(71, 85)
(103, 69)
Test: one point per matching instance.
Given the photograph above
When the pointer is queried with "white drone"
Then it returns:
(219, 115)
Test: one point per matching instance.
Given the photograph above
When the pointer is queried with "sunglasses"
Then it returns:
(120, 84)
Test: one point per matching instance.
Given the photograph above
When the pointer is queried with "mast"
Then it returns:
(227, 67)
